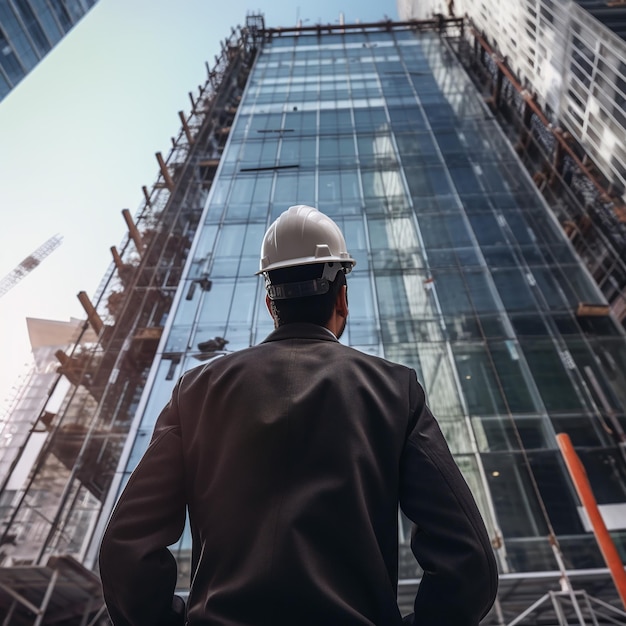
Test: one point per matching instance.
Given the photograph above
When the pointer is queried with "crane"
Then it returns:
(29, 263)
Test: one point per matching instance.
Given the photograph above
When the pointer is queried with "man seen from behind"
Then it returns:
(290, 459)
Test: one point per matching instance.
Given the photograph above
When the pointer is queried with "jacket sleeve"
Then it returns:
(138, 571)
(449, 540)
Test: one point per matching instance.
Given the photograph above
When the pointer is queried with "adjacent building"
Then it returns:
(553, 73)
(463, 273)
(42, 387)
(29, 29)
(570, 53)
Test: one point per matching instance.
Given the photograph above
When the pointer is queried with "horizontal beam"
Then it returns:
(432, 24)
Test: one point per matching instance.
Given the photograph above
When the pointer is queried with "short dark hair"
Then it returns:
(316, 309)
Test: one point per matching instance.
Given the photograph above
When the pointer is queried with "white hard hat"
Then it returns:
(303, 236)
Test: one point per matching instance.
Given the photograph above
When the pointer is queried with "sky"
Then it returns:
(78, 138)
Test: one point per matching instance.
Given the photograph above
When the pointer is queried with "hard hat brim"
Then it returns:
(306, 261)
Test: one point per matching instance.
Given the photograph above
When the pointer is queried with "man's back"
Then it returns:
(293, 456)
(293, 470)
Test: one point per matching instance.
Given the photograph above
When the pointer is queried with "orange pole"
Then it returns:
(607, 547)
(146, 195)
(169, 183)
(186, 128)
(117, 259)
(92, 315)
(133, 231)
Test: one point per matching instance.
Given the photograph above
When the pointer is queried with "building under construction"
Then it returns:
(481, 262)
(557, 67)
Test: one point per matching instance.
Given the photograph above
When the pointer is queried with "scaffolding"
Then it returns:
(63, 591)
(590, 209)
(592, 213)
(56, 511)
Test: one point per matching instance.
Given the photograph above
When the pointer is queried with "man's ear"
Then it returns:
(341, 303)
(268, 304)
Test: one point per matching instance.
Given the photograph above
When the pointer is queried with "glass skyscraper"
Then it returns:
(29, 29)
(570, 53)
(462, 273)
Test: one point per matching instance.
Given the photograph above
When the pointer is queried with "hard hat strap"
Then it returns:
(286, 291)
(305, 288)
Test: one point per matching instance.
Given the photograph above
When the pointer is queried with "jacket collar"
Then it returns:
(300, 331)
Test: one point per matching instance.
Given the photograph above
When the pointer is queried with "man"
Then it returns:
(291, 458)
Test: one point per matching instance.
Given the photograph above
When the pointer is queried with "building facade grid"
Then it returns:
(462, 272)
(570, 54)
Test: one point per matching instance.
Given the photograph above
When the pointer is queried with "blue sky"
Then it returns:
(79, 134)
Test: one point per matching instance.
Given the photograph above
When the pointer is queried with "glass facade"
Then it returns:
(28, 31)
(570, 54)
(462, 273)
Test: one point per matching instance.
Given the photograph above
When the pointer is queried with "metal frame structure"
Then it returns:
(55, 511)
(593, 216)
(60, 591)
(573, 607)
(29, 264)
(589, 208)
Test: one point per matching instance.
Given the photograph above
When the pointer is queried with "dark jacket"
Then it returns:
(291, 458)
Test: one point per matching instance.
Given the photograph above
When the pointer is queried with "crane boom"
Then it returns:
(29, 263)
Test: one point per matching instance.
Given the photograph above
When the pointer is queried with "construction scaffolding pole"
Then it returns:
(583, 488)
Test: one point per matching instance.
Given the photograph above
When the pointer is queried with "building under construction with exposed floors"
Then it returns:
(483, 255)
